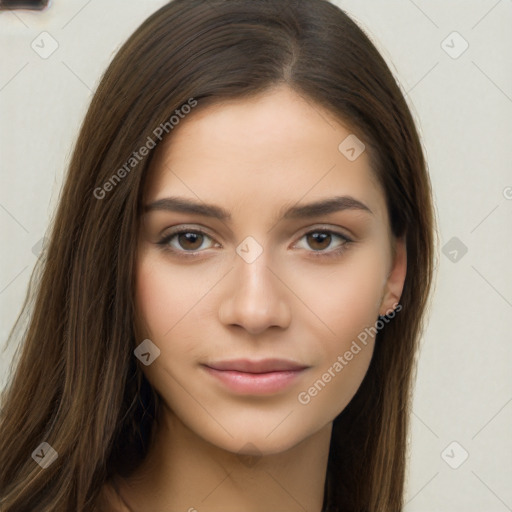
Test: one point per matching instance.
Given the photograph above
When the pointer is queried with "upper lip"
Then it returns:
(262, 366)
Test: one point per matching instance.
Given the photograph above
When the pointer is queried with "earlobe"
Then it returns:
(396, 278)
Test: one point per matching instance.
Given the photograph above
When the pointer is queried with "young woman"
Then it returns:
(228, 311)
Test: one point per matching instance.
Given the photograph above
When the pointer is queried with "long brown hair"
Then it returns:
(75, 383)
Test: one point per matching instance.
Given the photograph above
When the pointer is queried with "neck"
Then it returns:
(183, 472)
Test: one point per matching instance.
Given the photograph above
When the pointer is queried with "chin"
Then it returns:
(258, 442)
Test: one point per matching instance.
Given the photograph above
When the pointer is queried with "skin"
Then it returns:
(215, 450)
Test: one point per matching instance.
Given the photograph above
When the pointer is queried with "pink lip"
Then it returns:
(256, 377)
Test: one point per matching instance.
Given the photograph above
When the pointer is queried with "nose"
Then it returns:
(255, 297)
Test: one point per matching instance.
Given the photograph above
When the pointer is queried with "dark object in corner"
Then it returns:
(34, 5)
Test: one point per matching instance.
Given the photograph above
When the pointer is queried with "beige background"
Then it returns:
(463, 104)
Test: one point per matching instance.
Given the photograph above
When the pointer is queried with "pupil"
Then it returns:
(190, 238)
(322, 236)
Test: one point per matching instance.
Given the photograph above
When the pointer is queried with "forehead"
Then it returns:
(274, 148)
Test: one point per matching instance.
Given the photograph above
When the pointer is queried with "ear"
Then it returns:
(396, 277)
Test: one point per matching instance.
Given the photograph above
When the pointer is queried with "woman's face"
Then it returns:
(259, 298)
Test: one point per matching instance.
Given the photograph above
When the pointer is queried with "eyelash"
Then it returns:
(164, 243)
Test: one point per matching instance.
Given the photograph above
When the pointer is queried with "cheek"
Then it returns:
(334, 384)
(153, 299)
(166, 298)
(169, 311)
(347, 304)
(345, 297)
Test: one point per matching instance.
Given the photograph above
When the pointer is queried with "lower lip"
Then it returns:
(256, 383)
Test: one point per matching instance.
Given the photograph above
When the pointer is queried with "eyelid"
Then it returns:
(332, 229)
(178, 228)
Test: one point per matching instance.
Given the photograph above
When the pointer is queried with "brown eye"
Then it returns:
(319, 240)
(322, 243)
(185, 241)
(190, 240)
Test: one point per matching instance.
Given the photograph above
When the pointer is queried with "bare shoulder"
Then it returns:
(109, 501)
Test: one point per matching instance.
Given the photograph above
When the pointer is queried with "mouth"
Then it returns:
(256, 377)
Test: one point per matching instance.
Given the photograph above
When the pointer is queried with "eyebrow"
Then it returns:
(305, 211)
